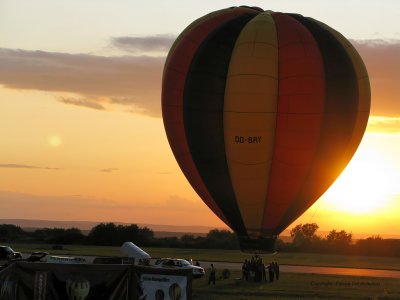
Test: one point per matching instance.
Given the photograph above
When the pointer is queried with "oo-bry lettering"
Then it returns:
(247, 139)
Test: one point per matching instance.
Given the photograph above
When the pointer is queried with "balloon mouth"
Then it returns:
(258, 245)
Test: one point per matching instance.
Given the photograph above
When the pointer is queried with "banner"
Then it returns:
(47, 281)
(165, 284)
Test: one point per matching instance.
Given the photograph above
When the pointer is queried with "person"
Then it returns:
(197, 263)
(259, 273)
(264, 274)
(213, 270)
(271, 272)
(276, 270)
(245, 270)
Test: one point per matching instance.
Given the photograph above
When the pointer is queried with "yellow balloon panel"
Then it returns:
(249, 136)
(259, 30)
(250, 93)
(249, 140)
(250, 117)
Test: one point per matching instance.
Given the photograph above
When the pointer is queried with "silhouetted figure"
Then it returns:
(271, 272)
(259, 271)
(198, 263)
(245, 270)
(212, 275)
(264, 274)
(276, 270)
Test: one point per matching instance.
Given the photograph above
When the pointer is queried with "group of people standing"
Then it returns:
(252, 270)
(255, 270)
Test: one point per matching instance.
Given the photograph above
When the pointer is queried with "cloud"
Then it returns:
(25, 205)
(180, 203)
(150, 108)
(147, 44)
(81, 102)
(127, 104)
(109, 170)
(17, 166)
(133, 83)
(386, 125)
(14, 205)
(135, 79)
(381, 58)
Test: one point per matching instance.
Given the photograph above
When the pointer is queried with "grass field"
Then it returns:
(308, 259)
(298, 286)
(290, 286)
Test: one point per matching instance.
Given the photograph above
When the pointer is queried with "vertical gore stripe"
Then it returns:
(175, 72)
(203, 115)
(250, 116)
(341, 106)
(300, 114)
(364, 91)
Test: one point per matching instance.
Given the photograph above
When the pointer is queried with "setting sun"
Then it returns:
(54, 141)
(365, 185)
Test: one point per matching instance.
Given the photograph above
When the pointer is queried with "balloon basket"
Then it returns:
(257, 246)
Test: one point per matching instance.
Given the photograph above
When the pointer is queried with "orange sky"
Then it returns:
(81, 132)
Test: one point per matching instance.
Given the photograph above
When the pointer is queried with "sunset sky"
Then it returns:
(81, 134)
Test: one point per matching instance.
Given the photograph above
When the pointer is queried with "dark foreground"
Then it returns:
(298, 286)
(316, 270)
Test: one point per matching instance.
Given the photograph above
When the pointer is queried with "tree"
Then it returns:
(188, 240)
(103, 234)
(377, 246)
(59, 235)
(339, 241)
(304, 237)
(115, 235)
(306, 231)
(145, 236)
(10, 233)
(221, 239)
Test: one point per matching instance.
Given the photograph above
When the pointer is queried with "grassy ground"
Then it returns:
(290, 286)
(298, 286)
(309, 259)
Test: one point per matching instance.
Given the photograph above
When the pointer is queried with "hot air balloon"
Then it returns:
(263, 110)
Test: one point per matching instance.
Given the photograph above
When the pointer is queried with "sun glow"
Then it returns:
(365, 186)
(54, 141)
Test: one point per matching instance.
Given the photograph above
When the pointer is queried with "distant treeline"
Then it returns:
(304, 239)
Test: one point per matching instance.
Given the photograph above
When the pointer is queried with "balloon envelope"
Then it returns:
(263, 111)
